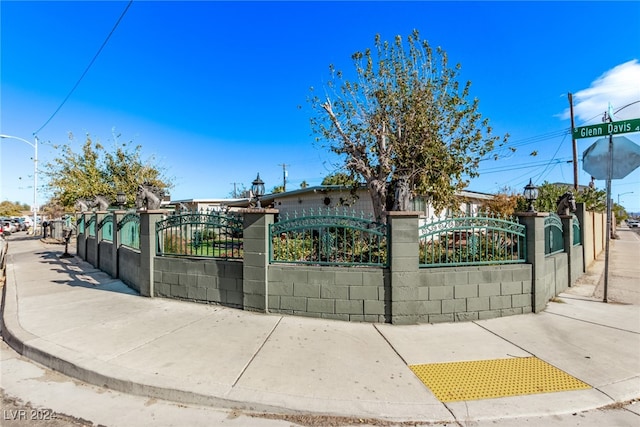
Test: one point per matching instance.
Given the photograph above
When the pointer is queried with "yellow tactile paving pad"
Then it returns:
(486, 379)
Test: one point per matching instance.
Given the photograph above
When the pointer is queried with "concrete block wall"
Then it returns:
(403, 293)
(105, 260)
(198, 279)
(576, 264)
(556, 275)
(81, 245)
(129, 267)
(453, 294)
(353, 294)
(92, 251)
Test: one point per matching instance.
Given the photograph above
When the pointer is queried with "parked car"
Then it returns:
(19, 223)
(633, 223)
(8, 227)
(3, 250)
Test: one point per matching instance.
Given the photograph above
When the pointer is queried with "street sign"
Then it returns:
(602, 129)
(625, 158)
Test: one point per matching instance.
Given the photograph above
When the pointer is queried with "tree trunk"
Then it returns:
(378, 193)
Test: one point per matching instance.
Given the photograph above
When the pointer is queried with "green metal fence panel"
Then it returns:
(576, 231)
(106, 225)
(553, 239)
(472, 240)
(129, 228)
(91, 225)
(81, 224)
(209, 234)
(328, 237)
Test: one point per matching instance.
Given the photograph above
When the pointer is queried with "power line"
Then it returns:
(524, 166)
(87, 69)
(523, 142)
(553, 158)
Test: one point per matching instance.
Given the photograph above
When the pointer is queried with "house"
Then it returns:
(359, 201)
(208, 204)
(333, 197)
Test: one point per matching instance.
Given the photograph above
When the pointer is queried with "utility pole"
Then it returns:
(284, 176)
(235, 190)
(575, 146)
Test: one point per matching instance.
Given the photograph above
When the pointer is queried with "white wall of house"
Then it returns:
(319, 197)
(205, 204)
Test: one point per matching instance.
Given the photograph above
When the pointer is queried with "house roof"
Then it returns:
(322, 189)
(315, 189)
(328, 188)
(566, 184)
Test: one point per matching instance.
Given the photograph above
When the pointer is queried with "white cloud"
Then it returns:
(619, 86)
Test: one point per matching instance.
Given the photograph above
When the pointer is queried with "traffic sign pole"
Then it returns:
(609, 225)
(627, 159)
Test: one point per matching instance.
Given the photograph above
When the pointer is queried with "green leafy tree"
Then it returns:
(304, 184)
(96, 171)
(404, 118)
(548, 195)
(340, 178)
(619, 213)
(594, 200)
(12, 208)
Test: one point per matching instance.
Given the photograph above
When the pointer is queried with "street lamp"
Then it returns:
(35, 175)
(121, 199)
(257, 188)
(531, 194)
(622, 194)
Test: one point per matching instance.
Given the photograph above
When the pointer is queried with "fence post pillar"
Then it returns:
(404, 267)
(117, 217)
(255, 270)
(534, 223)
(81, 235)
(148, 221)
(99, 217)
(581, 214)
(567, 237)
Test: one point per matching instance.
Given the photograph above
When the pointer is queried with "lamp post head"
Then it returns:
(121, 199)
(257, 188)
(531, 194)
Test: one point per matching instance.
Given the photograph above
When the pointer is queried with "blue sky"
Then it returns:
(216, 91)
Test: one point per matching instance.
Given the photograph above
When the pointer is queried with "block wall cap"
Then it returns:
(533, 214)
(258, 211)
(403, 213)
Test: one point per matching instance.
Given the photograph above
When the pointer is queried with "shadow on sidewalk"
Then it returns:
(77, 273)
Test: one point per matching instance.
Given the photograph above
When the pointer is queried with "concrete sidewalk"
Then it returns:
(66, 315)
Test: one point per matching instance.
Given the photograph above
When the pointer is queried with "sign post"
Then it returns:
(627, 158)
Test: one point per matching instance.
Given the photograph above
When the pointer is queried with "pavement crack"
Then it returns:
(244, 369)
(593, 323)
(390, 345)
(504, 339)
